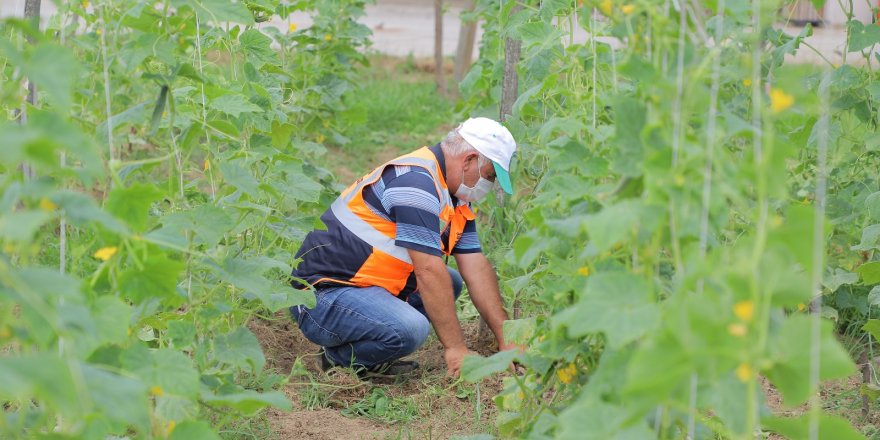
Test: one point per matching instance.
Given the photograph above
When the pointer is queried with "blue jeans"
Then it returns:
(366, 326)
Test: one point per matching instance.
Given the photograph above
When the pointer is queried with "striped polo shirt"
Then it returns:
(407, 196)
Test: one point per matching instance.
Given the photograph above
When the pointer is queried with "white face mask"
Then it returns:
(477, 192)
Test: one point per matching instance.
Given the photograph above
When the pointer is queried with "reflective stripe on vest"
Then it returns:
(353, 213)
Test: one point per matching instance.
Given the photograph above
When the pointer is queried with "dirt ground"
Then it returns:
(436, 406)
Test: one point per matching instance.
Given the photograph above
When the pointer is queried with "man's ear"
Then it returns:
(472, 156)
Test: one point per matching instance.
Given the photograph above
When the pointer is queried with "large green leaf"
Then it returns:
(249, 401)
(615, 303)
(830, 427)
(120, 399)
(870, 239)
(156, 278)
(112, 319)
(132, 204)
(193, 430)
(239, 177)
(39, 376)
(789, 351)
(42, 69)
(862, 36)
(234, 105)
(258, 48)
(168, 369)
(872, 203)
(475, 368)
(591, 419)
(241, 349)
(22, 225)
(870, 272)
(80, 209)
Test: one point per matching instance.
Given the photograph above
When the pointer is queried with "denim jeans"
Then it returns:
(366, 326)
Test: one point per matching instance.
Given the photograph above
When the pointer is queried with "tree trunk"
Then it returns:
(510, 83)
(438, 47)
(31, 14)
(467, 36)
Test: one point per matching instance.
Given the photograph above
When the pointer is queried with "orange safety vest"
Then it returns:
(351, 221)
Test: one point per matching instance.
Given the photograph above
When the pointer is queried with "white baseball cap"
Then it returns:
(494, 141)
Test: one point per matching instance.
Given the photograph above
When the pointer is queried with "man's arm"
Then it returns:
(482, 283)
(435, 288)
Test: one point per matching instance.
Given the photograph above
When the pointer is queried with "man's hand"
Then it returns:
(454, 357)
(503, 346)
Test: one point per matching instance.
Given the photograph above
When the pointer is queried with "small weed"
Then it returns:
(378, 406)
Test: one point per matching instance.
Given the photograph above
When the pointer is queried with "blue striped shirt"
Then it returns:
(407, 196)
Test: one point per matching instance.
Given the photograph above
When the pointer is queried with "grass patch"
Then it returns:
(396, 109)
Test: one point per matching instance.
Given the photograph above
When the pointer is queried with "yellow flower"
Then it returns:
(47, 205)
(584, 271)
(736, 329)
(747, 82)
(99, 32)
(801, 307)
(8, 248)
(105, 253)
(627, 9)
(779, 100)
(328, 37)
(566, 374)
(85, 4)
(326, 123)
(744, 310)
(156, 390)
(170, 428)
(207, 165)
(605, 7)
(776, 221)
(320, 138)
(679, 180)
(744, 372)
(5, 333)
(291, 27)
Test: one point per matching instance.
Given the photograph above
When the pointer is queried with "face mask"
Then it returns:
(477, 192)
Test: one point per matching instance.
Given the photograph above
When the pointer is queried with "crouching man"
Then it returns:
(378, 269)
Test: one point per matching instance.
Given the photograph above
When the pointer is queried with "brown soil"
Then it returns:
(839, 397)
(320, 399)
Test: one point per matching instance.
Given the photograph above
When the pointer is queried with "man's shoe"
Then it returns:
(384, 370)
(391, 369)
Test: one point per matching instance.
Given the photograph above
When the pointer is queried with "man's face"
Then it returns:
(472, 174)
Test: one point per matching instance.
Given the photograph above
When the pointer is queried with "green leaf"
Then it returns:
(239, 177)
(42, 376)
(80, 209)
(22, 225)
(258, 48)
(870, 272)
(862, 36)
(790, 355)
(873, 327)
(872, 202)
(120, 399)
(222, 11)
(615, 303)
(181, 333)
(249, 401)
(112, 319)
(830, 427)
(168, 369)
(839, 277)
(615, 223)
(874, 296)
(132, 204)
(241, 349)
(591, 419)
(870, 239)
(519, 331)
(475, 368)
(157, 278)
(234, 105)
(630, 117)
(42, 69)
(193, 430)
(301, 187)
